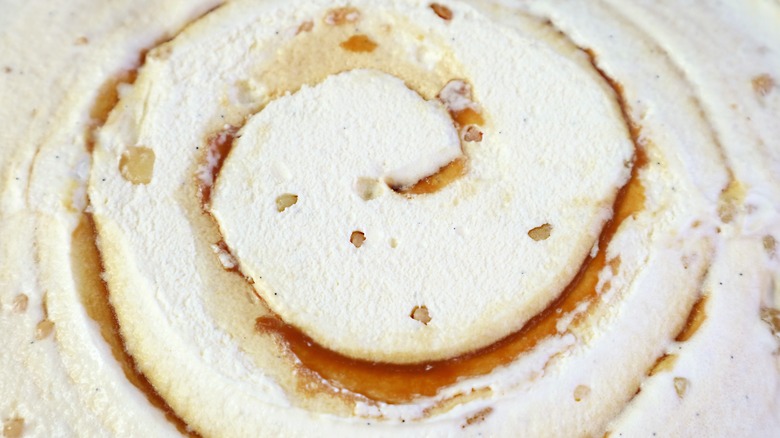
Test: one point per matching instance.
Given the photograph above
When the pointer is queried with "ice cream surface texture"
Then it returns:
(297, 218)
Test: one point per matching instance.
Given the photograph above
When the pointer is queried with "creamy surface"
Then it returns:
(271, 160)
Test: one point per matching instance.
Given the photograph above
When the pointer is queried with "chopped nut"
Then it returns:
(341, 16)
(20, 303)
(580, 392)
(420, 313)
(770, 244)
(137, 165)
(442, 11)
(472, 133)
(285, 201)
(357, 238)
(13, 427)
(226, 258)
(771, 316)
(763, 84)
(82, 40)
(680, 386)
(542, 232)
(44, 329)
(306, 26)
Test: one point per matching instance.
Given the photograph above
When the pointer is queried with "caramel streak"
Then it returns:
(87, 267)
(399, 383)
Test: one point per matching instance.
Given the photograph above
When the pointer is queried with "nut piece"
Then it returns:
(44, 329)
(472, 133)
(420, 313)
(341, 16)
(13, 427)
(20, 303)
(137, 165)
(771, 316)
(442, 11)
(763, 84)
(770, 244)
(285, 201)
(306, 26)
(357, 238)
(542, 232)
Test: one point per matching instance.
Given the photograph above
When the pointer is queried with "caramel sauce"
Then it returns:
(694, 321)
(359, 44)
(468, 116)
(87, 267)
(107, 98)
(433, 183)
(399, 383)
(218, 147)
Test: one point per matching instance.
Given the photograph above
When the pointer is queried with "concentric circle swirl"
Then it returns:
(296, 218)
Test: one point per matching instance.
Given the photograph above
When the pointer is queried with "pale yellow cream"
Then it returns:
(335, 111)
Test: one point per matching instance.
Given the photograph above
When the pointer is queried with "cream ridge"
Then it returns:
(446, 218)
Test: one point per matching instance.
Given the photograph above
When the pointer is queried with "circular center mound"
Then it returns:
(310, 202)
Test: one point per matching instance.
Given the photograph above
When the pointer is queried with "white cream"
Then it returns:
(552, 152)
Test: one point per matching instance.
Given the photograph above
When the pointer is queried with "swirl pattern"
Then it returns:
(300, 217)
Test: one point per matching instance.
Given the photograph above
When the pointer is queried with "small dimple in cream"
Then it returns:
(368, 188)
(580, 392)
(680, 386)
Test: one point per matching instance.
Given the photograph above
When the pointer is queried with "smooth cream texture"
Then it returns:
(189, 324)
